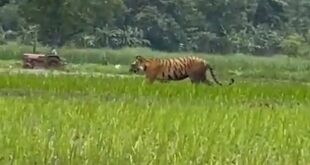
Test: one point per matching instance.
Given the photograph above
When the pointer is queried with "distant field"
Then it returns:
(61, 119)
(103, 60)
(97, 113)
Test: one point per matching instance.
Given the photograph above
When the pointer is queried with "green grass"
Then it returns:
(61, 119)
(103, 60)
(66, 119)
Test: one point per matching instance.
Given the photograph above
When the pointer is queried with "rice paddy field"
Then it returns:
(59, 119)
(98, 119)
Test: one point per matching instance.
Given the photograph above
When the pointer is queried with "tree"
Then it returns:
(4, 2)
(60, 20)
(299, 15)
(165, 22)
(216, 26)
(270, 12)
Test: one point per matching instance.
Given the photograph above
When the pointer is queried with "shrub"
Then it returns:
(295, 45)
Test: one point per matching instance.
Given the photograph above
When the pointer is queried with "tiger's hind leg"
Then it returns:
(197, 75)
(203, 77)
(197, 78)
(207, 81)
(193, 81)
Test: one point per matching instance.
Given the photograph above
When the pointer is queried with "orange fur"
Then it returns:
(175, 69)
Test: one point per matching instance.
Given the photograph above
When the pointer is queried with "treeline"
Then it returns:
(261, 27)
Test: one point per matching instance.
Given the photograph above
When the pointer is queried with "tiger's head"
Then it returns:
(138, 65)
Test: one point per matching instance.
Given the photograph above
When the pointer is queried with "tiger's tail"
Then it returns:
(215, 79)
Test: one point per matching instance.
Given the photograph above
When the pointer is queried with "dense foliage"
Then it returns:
(260, 27)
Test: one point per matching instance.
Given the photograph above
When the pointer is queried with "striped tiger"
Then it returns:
(174, 69)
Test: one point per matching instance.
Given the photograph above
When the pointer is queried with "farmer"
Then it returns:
(53, 51)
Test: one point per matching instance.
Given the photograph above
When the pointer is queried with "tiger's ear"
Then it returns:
(139, 58)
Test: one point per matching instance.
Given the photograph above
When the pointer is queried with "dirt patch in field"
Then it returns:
(56, 72)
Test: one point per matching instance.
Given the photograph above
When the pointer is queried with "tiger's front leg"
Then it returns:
(153, 73)
(150, 78)
(163, 81)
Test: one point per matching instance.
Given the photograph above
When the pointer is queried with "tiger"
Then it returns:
(174, 69)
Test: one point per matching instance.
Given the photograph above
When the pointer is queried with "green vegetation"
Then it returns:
(261, 27)
(51, 118)
(104, 115)
(103, 120)
(103, 60)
